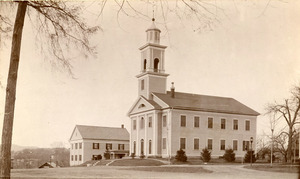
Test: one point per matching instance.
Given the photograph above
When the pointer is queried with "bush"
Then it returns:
(107, 155)
(180, 156)
(142, 156)
(229, 155)
(132, 155)
(205, 155)
(247, 157)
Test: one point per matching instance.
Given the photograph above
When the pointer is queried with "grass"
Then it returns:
(136, 162)
(275, 168)
(172, 169)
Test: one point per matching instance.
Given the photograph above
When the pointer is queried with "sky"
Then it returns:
(250, 53)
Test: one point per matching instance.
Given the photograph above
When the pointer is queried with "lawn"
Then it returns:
(275, 168)
(172, 169)
(136, 162)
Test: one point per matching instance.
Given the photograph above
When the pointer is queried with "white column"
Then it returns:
(137, 143)
(154, 142)
(146, 135)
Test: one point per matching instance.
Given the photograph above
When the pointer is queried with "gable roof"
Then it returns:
(190, 101)
(106, 133)
(150, 102)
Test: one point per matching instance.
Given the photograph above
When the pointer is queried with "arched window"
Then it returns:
(142, 123)
(141, 106)
(142, 146)
(150, 147)
(145, 64)
(134, 147)
(156, 62)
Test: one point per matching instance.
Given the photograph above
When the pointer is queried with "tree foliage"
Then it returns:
(247, 157)
(181, 156)
(229, 155)
(205, 155)
(61, 156)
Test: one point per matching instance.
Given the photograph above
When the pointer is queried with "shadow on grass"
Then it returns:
(275, 168)
(136, 162)
(172, 169)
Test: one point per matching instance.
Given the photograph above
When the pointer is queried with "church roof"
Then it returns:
(198, 102)
(107, 133)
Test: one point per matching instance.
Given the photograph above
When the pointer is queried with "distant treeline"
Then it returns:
(33, 158)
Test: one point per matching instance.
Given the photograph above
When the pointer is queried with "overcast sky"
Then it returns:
(252, 54)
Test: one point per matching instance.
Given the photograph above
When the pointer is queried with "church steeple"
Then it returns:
(152, 77)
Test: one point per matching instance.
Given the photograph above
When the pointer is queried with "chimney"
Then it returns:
(172, 90)
(122, 126)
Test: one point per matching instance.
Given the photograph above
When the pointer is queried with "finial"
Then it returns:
(153, 19)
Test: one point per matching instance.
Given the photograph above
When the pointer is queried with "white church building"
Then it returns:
(163, 122)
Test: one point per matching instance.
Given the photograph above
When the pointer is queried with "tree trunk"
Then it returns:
(5, 160)
(289, 148)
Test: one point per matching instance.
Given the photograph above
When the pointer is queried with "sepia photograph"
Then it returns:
(149, 89)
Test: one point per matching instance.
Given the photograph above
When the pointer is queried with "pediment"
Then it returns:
(141, 105)
(75, 134)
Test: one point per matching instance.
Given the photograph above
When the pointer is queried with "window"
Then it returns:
(108, 146)
(145, 64)
(142, 123)
(182, 121)
(141, 106)
(245, 145)
(156, 62)
(72, 158)
(150, 146)
(142, 146)
(182, 143)
(222, 146)
(196, 144)
(223, 123)
(247, 127)
(196, 121)
(164, 144)
(95, 145)
(164, 121)
(134, 124)
(80, 145)
(72, 146)
(142, 84)
(79, 157)
(209, 144)
(235, 145)
(235, 124)
(120, 146)
(76, 145)
(75, 157)
(134, 147)
(150, 122)
(210, 123)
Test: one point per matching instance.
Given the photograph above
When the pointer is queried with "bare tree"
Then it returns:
(289, 111)
(61, 23)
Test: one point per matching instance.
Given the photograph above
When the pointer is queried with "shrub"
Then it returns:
(229, 155)
(99, 157)
(132, 155)
(107, 155)
(180, 156)
(142, 156)
(205, 155)
(247, 157)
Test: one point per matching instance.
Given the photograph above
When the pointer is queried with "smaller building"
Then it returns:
(49, 165)
(91, 142)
